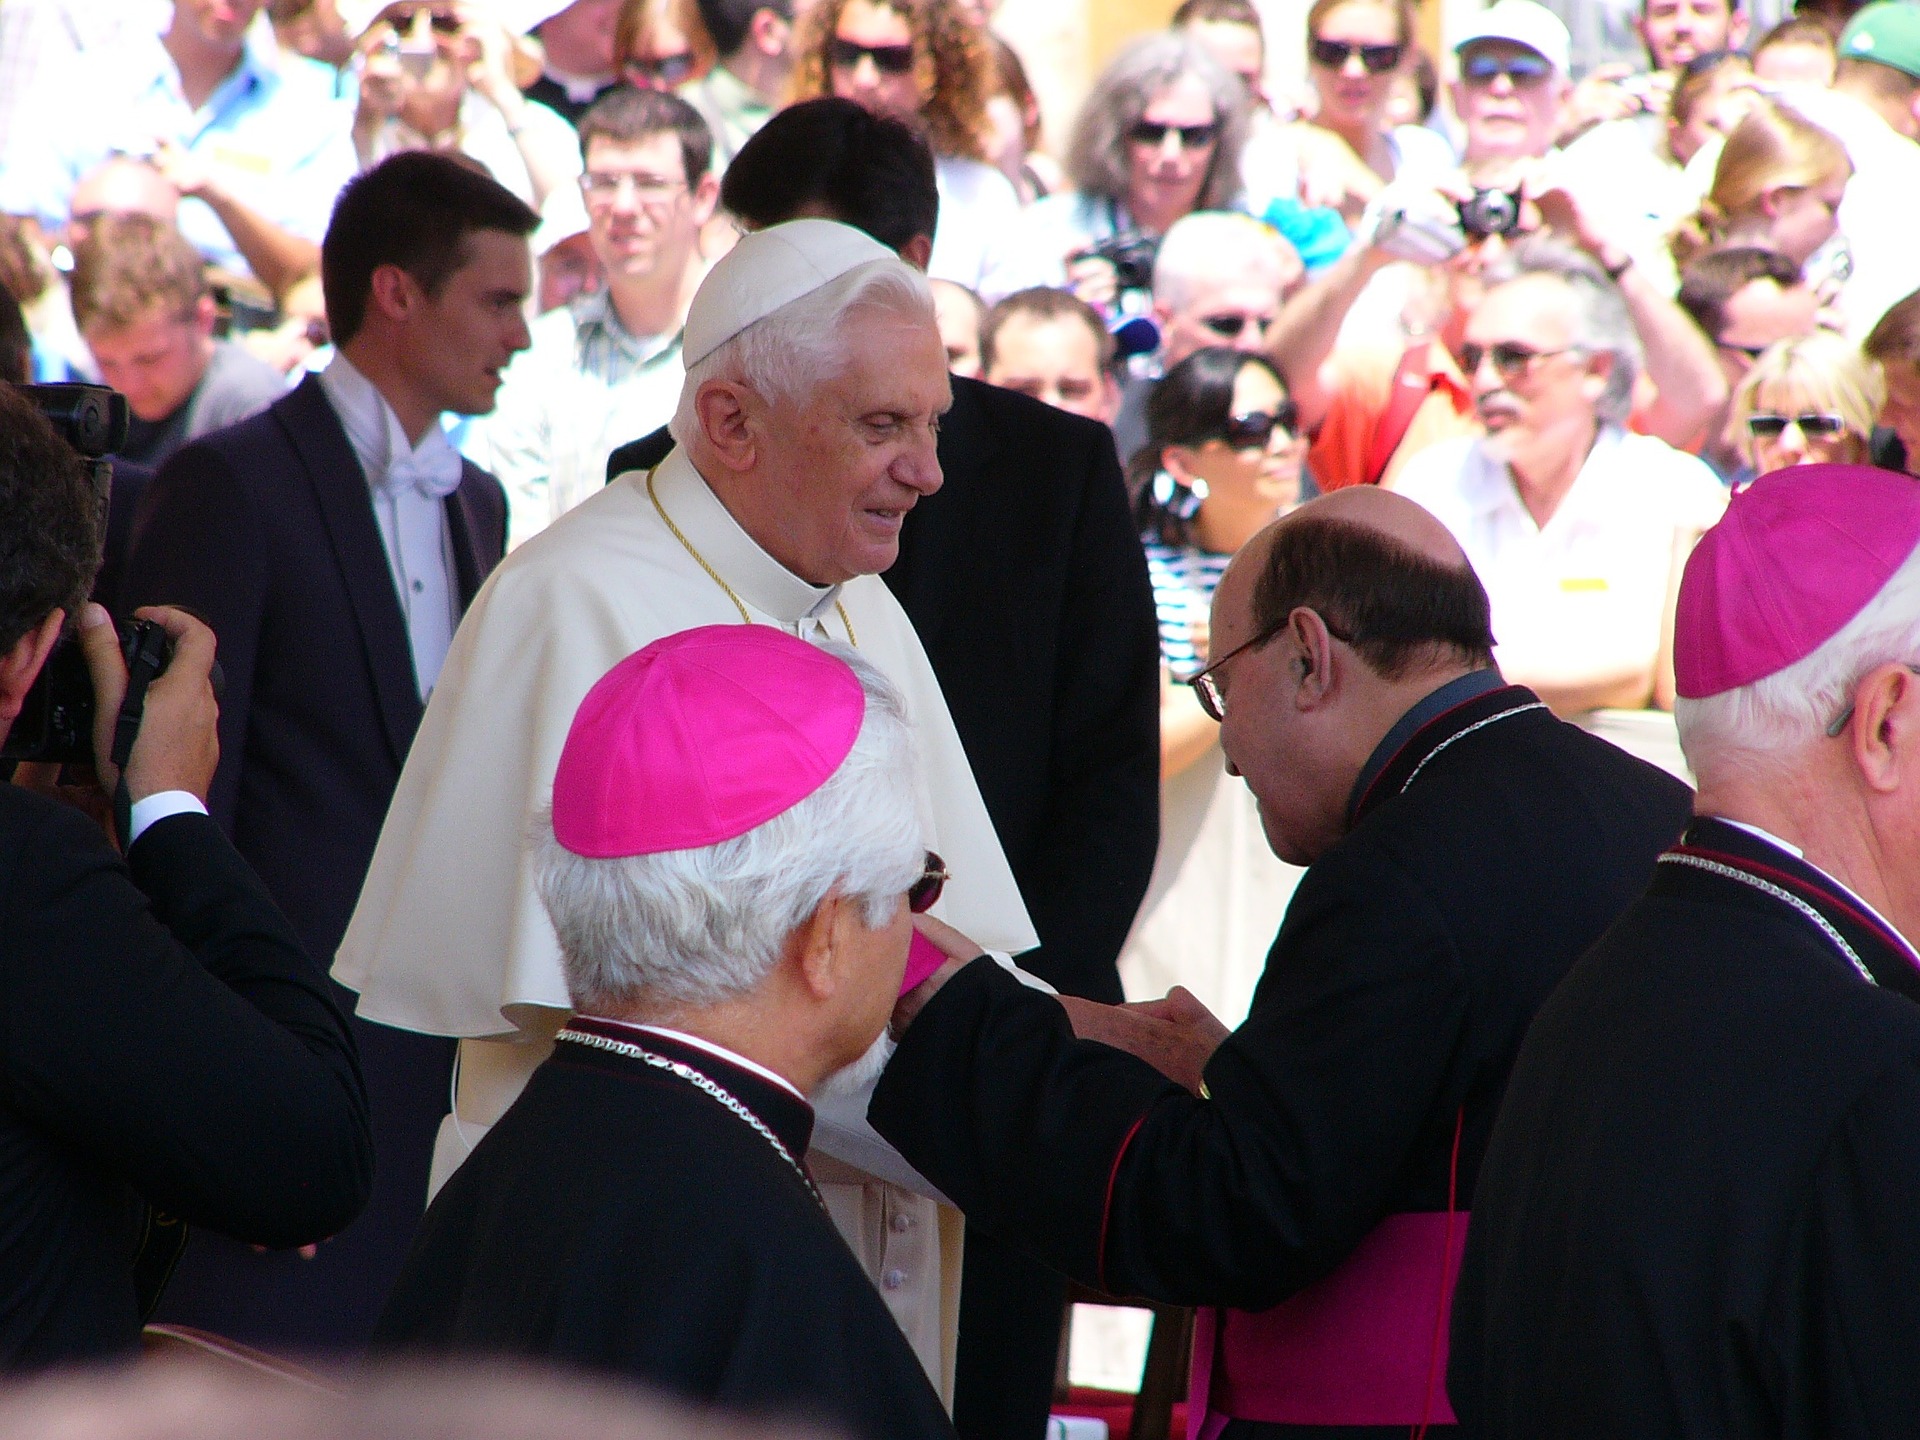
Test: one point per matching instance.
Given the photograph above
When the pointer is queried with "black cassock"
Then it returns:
(1490, 846)
(621, 1219)
(1700, 1213)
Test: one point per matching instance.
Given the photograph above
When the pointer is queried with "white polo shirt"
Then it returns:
(1588, 592)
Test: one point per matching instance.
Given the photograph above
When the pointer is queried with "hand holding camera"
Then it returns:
(172, 742)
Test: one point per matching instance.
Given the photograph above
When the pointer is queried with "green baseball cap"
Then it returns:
(1887, 33)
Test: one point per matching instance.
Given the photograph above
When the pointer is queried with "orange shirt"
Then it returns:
(1361, 391)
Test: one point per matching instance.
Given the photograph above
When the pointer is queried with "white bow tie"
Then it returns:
(433, 470)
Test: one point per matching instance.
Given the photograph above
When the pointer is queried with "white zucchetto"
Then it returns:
(767, 271)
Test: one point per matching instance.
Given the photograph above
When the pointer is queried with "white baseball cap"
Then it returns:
(1523, 22)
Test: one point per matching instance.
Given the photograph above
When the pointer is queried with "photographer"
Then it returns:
(169, 1050)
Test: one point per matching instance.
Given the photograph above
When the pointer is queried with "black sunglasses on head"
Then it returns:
(1192, 137)
(1334, 54)
(887, 59)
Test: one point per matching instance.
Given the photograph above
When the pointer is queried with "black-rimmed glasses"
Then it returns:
(887, 59)
(1511, 359)
(1376, 59)
(1772, 427)
(1256, 427)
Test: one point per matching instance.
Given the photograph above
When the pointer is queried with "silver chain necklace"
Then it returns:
(1458, 735)
(699, 1082)
(1729, 872)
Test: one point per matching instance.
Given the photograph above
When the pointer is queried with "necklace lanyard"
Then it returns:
(1434, 753)
(714, 575)
(699, 1082)
(1767, 887)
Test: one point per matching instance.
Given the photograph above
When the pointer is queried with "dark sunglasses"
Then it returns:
(445, 21)
(1334, 54)
(1772, 427)
(1257, 426)
(1482, 69)
(887, 59)
(665, 71)
(1510, 358)
(1192, 137)
(924, 893)
(1232, 327)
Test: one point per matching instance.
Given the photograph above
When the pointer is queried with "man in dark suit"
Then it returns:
(168, 1047)
(333, 542)
(1309, 1176)
(1025, 581)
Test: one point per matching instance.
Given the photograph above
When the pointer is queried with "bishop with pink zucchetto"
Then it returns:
(731, 860)
(1697, 1216)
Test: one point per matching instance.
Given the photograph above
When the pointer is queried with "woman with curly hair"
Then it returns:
(1159, 136)
(923, 62)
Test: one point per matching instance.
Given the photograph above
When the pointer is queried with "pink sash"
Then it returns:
(1365, 1346)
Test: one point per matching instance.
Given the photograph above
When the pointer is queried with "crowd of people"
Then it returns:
(707, 528)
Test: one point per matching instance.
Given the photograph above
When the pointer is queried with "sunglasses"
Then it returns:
(1232, 327)
(1257, 426)
(445, 21)
(1334, 54)
(663, 71)
(887, 59)
(1511, 359)
(1483, 69)
(1192, 137)
(924, 893)
(1772, 427)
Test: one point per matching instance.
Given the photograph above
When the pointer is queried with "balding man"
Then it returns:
(1310, 1175)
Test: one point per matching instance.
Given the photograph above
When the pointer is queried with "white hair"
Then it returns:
(786, 355)
(1755, 726)
(696, 927)
(1217, 243)
(1602, 323)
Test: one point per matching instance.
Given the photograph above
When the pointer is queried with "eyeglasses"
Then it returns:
(603, 187)
(447, 22)
(1772, 427)
(662, 72)
(1483, 69)
(1232, 327)
(1207, 690)
(1334, 54)
(1192, 137)
(924, 893)
(1840, 721)
(887, 59)
(1511, 359)
(1257, 426)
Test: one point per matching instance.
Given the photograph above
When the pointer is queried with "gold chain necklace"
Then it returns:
(701, 561)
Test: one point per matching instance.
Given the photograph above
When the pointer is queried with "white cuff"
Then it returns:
(158, 807)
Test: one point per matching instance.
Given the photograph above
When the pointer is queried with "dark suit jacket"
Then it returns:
(266, 529)
(1025, 580)
(162, 1039)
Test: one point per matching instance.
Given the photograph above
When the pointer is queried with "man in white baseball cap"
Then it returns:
(1513, 59)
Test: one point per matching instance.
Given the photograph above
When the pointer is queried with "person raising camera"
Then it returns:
(171, 1054)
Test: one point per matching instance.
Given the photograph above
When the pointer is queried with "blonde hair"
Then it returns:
(1774, 146)
(1828, 374)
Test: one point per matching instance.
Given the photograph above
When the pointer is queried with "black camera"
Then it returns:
(56, 718)
(1131, 255)
(1490, 212)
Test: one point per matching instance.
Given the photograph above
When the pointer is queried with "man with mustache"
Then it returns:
(1577, 527)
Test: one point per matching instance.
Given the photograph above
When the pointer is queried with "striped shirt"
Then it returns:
(1183, 579)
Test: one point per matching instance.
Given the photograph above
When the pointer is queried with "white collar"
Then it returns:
(1500, 491)
(1832, 879)
(760, 580)
(732, 1057)
(373, 429)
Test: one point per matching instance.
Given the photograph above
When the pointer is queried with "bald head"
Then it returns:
(123, 186)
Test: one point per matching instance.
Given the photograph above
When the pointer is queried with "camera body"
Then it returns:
(1131, 254)
(1490, 212)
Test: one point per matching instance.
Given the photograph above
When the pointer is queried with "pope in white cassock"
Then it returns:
(805, 432)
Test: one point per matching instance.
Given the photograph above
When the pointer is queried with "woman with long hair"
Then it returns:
(1778, 184)
(925, 63)
(661, 44)
(1222, 460)
(1809, 400)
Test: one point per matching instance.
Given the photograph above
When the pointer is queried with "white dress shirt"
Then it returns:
(412, 518)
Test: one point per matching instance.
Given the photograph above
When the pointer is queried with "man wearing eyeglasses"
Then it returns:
(610, 361)
(1309, 1176)
(1577, 527)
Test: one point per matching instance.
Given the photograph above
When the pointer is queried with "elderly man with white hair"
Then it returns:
(732, 860)
(805, 432)
(1576, 526)
(1696, 1215)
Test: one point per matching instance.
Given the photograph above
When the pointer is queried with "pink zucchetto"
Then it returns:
(1798, 554)
(699, 738)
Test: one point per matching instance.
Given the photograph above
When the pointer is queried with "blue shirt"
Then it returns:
(279, 138)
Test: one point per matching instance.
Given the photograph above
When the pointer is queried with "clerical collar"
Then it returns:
(732, 1057)
(1470, 686)
(1844, 890)
(759, 579)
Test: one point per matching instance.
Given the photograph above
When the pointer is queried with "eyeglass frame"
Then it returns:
(1212, 323)
(681, 64)
(925, 892)
(1372, 57)
(649, 190)
(1192, 137)
(1520, 359)
(1284, 416)
(847, 55)
(1829, 427)
(1207, 690)
(1521, 70)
